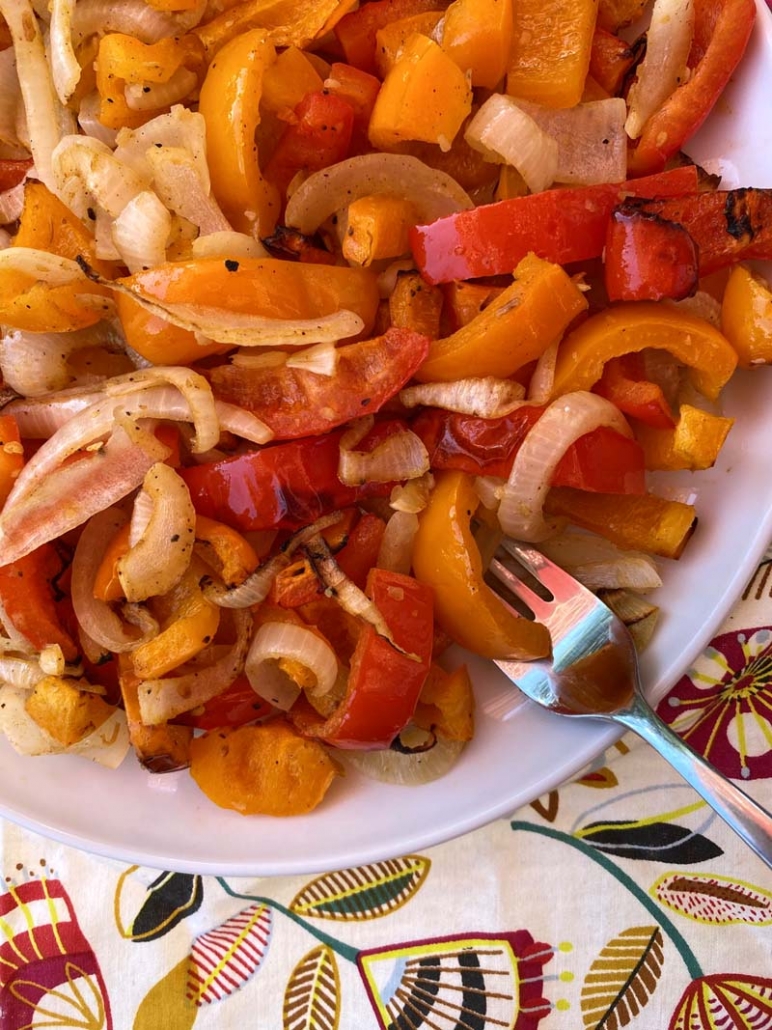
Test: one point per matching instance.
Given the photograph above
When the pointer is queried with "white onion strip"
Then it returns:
(276, 640)
(141, 232)
(72, 494)
(396, 550)
(565, 420)
(163, 699)
(486, 397)
(41, 265)
(96, 618)
(132, 17)
(664, 66)
(178, 183)
(20, 672)
(85, 169)
(65, 68)
(399, 457)
(503, 132)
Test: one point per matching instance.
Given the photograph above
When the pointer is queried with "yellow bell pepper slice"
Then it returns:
(286, 22)
(287, 80)
(477, 34)
(391, 39)
(694, 443)
(446, 558)
(550, 55)
(401, 110)
(230, 104)
(378, 227)
(517, 327)
(746, 317)
(158, 340)
(628, 328)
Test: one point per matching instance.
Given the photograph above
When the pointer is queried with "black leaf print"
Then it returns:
(170, 898)
(655, 842)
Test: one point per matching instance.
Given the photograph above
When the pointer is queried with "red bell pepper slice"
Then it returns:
(726, 225)
(624, 383)
(279, 487)
(722, 29)
(563, 226)
(12, 173)
(383, 684)
(295, 402)
(648, 257)
(321, 136)
(28, 600)
(603, 461)
(238, 705)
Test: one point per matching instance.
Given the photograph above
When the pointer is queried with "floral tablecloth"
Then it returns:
(618, 900)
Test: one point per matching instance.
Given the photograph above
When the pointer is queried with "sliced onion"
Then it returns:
(96, 618)
(242, 423)
(70, 495)
(23, 673)
(259, 359)
(412, 496)
(11, 204)
(407, 770)
(86, 170)
(193, 387)
(490, 490)
(638, 614)
(703, 305)
(257, 586)
(276, 640)
(487, 397)
(400, 456)
(141, 232)
(88, 120)
(396, 550)
(5, 239)
(34, 364)
(543, 378)
(565, 420)
(664, 66)
(228, 244)
(152, 96)
(41, 265)
(44, 114)
(132, 17)
(65, 69)
(108, 744)
(178, 183)
(52, 662)
(321, 359)
(160, 558)
(503, 132)
(164, 699)
(179, 128)
(433, 193)
(10, 98)
(591, 139)
(599, 564)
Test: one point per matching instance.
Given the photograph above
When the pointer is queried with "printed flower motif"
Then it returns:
(723, 705)
(725, 1000)
(472, 980)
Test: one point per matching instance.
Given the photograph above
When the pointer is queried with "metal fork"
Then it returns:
(593, 672)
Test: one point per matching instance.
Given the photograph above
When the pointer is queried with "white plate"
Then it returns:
(164, 821)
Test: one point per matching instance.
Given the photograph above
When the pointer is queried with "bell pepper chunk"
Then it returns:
(288, 80)
(294, 402)
(27, 597)
(262, 286)
(285, 22)
(624, 384)
(477, 34)
(356, 32)
(238, 705)
(721, 33)
(629, 328)
(390, 40)
(693, 443)
(230, 104)
(515, 328)
(284, 486)
(384, 684)
(726, 225)
(603, 461)
(647, 523)
(550, 54)
(561, 225)
(401, 112)
(616, 14)
(319, 136)
(612, 59)
(446, 705)
(416, 305)
(377, 227)
(158, 340)
(13, 172)
(446, 558)
(746, 317)
(647, 257)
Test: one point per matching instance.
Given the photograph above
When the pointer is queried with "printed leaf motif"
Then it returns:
(547, 807)
(365, 892)
(622, 978)
(714, 899)
(655, 842)
(223, 959)
(725, 1000)
(466, 982)
(170, 898)
(77, 1002)
(166, 1003)
(312, 997)
(602, 778)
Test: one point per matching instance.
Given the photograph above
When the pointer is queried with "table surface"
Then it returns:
(618, 900)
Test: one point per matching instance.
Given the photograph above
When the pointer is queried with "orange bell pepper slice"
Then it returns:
(446, 704)
(477, 34)
(612, 59)
(391, 39)
(629, 328)
(693, 443)
(356, 32)
(262, 286)
(550, 55)
(230, 104)
(27, 597)
(286, 22)
(446, 558)
(158, 340)
(287, 80)
(518, 326)
(416, 305)
(746, 317)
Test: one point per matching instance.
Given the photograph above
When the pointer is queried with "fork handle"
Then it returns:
(744, 815)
